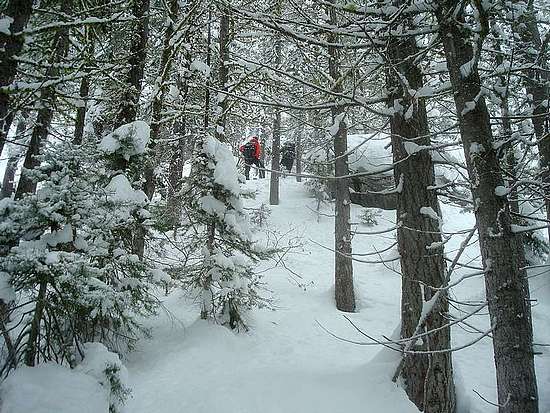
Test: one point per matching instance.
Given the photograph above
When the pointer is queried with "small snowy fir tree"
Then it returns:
(318, 164)
(224, 268)
(108, 370)
(70, 260)
(260, 215)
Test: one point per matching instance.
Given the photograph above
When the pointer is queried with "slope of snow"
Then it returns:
(51, 388)
(370, 153)
(288, 362)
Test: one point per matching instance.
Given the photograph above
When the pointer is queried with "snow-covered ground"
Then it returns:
(287, 362)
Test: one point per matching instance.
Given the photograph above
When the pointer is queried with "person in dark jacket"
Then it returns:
(251, 152)
(288, 153)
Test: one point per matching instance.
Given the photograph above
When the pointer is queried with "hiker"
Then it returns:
(251, 151)
(288, 152)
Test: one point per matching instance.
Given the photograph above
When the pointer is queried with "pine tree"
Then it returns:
(224, 270)
(17, 13)
(71, 259)
(502, 253)
(428, 377)
(343, 267)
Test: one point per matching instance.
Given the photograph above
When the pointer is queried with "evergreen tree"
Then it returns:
(224, 271)
(70, 259)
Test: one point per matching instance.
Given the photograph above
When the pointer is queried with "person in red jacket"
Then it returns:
(252, 151)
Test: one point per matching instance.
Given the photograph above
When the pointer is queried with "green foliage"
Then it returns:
(72, 237)
(259, 216)
(223, 252)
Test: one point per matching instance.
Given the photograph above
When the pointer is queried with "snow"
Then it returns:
(186, 171)
(7, 294)
(413, 148)
(468, 107)
(120, 190)
(466, 68)
(212, 206)
(429, 212)
(97, 359)
(131, 139)
(287, 362)
(424, 91)
(97, 362)
(63, 236)
(335, 127)
(476, 148)
(226, 172)
(370, 153)
(52, 388)
(200, 66)
(227, 175)
(5, 23)
(160, 275)
(501, 191)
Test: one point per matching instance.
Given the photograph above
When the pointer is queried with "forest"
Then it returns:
(274, 206)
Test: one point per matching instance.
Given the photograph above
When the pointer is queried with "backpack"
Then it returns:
(248, 150)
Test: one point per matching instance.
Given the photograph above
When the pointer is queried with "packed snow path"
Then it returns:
(287, 363)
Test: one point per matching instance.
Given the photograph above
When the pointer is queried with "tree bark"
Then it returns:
(343, 264)
(275, 160)
(175, 168)
(81, 111)
(537, 85)
(130, 100)
(158, 101)
(501, 249)
(84, 92)
(34, 333)
(428, 377)
(10, 46)
(223, 76)
(298, 155)
(48, 97)
(276, 141)
(8, 182)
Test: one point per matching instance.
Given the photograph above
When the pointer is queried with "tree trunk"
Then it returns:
(10, 46)
(158, 100)
(428, 377)
(276, 141)
(84, 92)
(343, 264)
(298, 155)
(206, 298)
(8, 183)
(511, 162)
(275, 160)
(81, 111)
(223, 76)
(137, 54)
(48, 97)
(501, 249)
(537, 86)
(34, 332)
(130, 101)
(175, 168)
